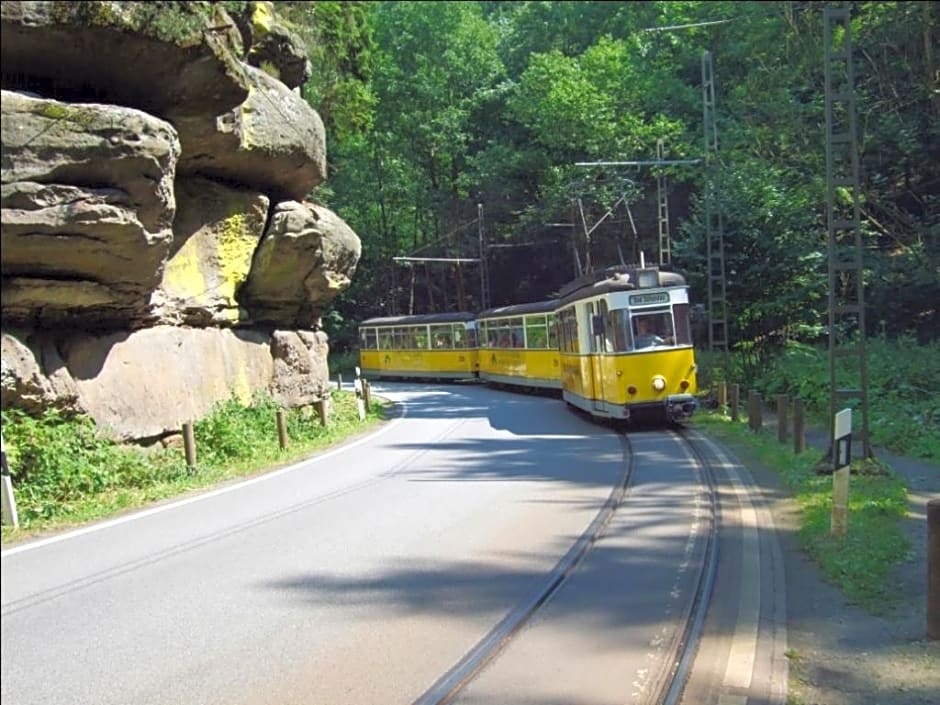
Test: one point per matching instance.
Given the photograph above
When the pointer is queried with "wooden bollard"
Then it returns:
(799, 427)
(782, 402)
(753, 411)
(722, 395)
(339, 381)
(281, 429)
(367, 394)
(839, 519)
(322, 411)
(734, 400)
(189, 444)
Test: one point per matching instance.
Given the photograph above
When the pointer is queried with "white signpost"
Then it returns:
(842, 458)
(360, 400)
(9, 501)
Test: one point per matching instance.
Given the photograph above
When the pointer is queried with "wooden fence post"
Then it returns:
(753, 411)
(722, 395)
(735, 400)
(189, 444)
(782, 404)
(281, 429)
(799, 435)
(322, 411)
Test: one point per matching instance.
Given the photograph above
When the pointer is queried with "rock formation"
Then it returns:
(158, 253)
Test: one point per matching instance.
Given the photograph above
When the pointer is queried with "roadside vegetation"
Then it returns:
(66, 473)
(904, 389)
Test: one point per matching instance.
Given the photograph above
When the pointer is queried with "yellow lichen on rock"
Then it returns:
(262, 18)
(183, 277)
(236, 246)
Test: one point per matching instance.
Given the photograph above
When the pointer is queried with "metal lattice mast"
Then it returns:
(483, 273)
(849, 380)
(665, 252)
(717, 301)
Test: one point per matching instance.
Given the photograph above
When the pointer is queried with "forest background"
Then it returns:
(452, 123)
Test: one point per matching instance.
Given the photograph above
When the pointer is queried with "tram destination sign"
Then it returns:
(659, 297)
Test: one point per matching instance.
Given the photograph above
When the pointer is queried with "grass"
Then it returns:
(861, 564)
(65, 474)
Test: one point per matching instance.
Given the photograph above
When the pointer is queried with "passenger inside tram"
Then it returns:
(652, 330)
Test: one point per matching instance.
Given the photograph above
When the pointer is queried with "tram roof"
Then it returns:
(619, 278)
(520, 309)
(420, 319)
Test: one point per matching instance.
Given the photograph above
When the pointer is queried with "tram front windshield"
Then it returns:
(641, 330)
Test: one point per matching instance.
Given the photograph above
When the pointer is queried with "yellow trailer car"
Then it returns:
(429, 346)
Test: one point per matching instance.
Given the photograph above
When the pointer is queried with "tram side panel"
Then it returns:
(441, 346)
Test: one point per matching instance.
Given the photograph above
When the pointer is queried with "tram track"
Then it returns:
(665, 688)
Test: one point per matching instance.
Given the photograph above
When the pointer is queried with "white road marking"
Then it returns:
(198, 498)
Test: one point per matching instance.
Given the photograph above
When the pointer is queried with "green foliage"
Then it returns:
(903, 387)
(57, 463)
(65, 472)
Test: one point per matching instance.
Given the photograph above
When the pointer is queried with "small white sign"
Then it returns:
(842, 438)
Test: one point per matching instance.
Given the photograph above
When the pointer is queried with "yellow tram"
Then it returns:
(519, 345)
(430, 346)
(626, 344)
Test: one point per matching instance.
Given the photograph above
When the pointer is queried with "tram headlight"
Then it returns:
(659, 383)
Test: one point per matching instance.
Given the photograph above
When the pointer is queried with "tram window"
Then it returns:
(618, 328)
(484, 336)
(517, 333)
(368, 339)
(570, 325)
(471, 341)
(421, 338)
(442, 337)
(652, 329)
(607, 343)
(552, 332)
(501, 334)
(536, 335)
(683, 327)
(386, 340)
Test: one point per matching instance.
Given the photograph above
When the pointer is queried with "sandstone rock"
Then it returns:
(306, 257)
(216, 232)
(148, 383)
(301, 375)
(170, 59)
(273, 142)
(87, 208)
(272, 47)
(34, 377)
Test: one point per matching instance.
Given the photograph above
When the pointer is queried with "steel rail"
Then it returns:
(448, 686)
(680, 656)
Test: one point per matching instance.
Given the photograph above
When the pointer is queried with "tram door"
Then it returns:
(595, 324)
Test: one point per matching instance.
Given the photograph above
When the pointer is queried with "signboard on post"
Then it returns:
(10, 516)
(360, 400)
(842, 458)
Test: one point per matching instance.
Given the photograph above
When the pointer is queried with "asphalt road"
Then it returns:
(362, 575)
